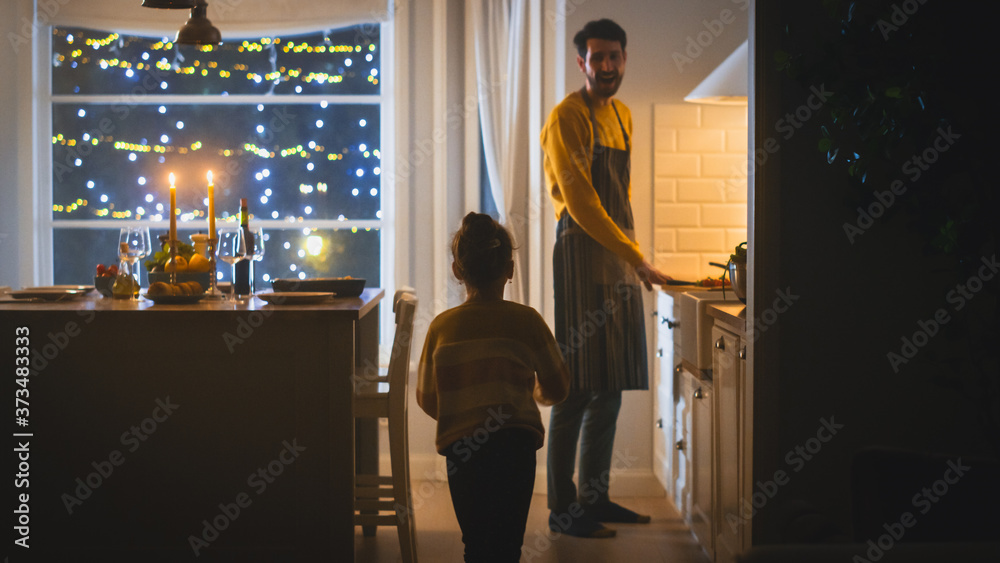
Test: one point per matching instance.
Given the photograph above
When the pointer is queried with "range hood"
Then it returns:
(727, 84)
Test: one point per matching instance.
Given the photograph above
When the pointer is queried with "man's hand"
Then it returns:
(649, 275)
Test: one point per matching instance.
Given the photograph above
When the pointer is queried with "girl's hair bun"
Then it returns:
(482, 249)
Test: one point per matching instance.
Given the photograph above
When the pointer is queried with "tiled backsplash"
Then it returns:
(700, 184)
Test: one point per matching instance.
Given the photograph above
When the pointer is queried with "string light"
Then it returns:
(110, 58)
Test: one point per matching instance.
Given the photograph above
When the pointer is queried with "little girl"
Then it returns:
(484, 365)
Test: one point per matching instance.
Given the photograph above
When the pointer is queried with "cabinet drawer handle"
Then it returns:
(698, 394)
(679, 445)
(659, 352)
(743, 353)
(669, 323)
(659, 423)
(720, 344)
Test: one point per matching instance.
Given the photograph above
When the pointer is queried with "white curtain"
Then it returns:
(234, 18)
(501, 41)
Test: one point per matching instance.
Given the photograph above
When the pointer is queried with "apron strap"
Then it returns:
(593, 120)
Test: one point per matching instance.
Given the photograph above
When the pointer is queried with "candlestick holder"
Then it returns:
(213, 283)
(173, 261)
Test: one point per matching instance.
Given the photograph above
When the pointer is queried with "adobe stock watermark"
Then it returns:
(924, 500)
(796, 458)
(562, 11)
(258, 480)
(764, 320)
(461, 451)
(913, 168)
(957, 298)
(456, 114)
(132, 438)
(57, 342)
(46, 11)
(542, 540)
(785, 128)
(594, 320)
(695, 45)
(898, 17)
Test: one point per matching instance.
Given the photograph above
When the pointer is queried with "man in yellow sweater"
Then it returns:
(598, 268)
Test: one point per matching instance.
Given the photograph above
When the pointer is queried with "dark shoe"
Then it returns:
(612, 512)
(579, 527)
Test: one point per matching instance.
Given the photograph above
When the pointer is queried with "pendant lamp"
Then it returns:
(199, 30)
(169, 4)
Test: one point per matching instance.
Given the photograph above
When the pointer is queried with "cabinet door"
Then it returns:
(746, 450)
(728, 416)
(682, 441)
(703, 466)
(663, 394)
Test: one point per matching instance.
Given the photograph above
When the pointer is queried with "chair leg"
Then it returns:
(399, 459)
(366, 455)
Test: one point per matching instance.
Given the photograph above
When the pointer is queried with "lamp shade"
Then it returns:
(727, 84)
(169, 4)
(199, 30)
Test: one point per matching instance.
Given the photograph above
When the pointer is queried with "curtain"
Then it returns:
(234, 18)
(501, 47)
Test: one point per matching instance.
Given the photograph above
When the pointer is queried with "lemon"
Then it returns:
(198, 263)
(176, 264)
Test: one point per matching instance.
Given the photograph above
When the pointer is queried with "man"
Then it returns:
(597, 265)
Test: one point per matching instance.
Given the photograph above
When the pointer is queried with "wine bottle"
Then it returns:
(243, 282)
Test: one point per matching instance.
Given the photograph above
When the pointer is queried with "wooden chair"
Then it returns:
(386, 500)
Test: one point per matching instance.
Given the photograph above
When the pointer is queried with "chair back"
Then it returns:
(405, 308)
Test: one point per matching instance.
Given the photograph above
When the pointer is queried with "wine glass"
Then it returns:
(133, 244)
(258, 244)
(232, 248)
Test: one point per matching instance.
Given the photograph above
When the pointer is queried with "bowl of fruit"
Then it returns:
(105, 278)
(186, 266)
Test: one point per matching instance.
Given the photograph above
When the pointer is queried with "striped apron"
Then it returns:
(599, 321)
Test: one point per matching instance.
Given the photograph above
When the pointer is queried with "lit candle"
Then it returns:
(173, 208)
(211, 206)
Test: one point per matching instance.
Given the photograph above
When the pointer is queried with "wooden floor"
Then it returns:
(439, 540)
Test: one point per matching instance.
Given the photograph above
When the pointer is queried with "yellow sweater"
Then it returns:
(478, 371)
(567, 140)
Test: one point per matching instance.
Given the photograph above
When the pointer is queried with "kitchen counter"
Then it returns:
(732, 316)
(191, 432)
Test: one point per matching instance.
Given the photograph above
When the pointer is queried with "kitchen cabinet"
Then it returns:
(704, 406)
(727, 374)
(733, 438)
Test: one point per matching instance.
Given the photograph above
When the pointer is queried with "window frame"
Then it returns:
(43, 224)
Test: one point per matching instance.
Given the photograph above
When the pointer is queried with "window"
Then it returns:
(293, 124)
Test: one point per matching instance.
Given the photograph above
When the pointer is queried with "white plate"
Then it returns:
(83, 288)
(294, 297)
(46, 294)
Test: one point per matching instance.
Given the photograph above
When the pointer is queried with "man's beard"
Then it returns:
(605, 88)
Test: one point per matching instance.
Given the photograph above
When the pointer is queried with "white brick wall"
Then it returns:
(700, 185)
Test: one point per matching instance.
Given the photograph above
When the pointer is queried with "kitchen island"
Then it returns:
(188, 432)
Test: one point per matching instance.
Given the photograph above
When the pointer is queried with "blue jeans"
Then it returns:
(591, 417)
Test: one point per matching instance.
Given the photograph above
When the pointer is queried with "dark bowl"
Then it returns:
(103, 284)
(343, 287)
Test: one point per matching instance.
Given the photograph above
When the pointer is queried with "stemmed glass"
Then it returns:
(133, 244)
(232, 248)
(258, 244)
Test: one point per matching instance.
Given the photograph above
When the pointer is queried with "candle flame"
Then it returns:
(171, 178)
(209, 176)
